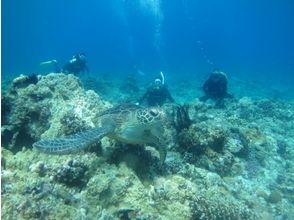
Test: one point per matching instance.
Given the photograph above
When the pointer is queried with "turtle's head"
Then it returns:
(156, 112)
(150, 115)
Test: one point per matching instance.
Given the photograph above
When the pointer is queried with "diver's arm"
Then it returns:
(86, 69)
(143, 97)
(168, 96)
(228, 95)
(205, 86)
(57, 69)
(171, 99)
(204, 98)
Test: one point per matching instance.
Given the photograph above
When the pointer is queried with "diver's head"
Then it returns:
(157, 83)
(218, 72)
(82, 56)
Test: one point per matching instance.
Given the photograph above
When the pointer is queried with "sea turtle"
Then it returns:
(127, 123)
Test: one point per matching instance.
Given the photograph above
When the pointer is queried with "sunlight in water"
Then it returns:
(154, 8)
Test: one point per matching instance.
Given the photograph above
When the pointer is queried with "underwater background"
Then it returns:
(252, 40)
(191, 159)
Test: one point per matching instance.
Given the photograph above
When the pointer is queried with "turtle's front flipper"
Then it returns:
(73, 143)
(162, 153)
(160, 146)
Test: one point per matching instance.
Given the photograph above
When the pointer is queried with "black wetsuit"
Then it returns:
(156, 95)
(215, 87)
(77, 65)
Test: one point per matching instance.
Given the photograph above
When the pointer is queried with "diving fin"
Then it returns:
(48, 62)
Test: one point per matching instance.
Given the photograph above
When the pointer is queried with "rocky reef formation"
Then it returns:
(231, 163)
(45, 189)
(54, 105)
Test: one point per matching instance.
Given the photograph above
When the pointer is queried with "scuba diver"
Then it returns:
(157, 93)
(215, 88)
(76, 65)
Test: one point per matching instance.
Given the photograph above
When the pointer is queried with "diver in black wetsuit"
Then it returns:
(76, 65)
(156, 94)
(215, 88)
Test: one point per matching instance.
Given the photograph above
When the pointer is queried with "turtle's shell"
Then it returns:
(135, 124)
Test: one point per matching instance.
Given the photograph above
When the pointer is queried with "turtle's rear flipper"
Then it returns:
(73, 143)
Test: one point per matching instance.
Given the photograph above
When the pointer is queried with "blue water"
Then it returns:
(248, 39)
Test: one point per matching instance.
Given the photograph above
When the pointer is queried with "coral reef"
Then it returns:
(204, 146)
(199, 138)
(55, 105)
(72, 173)
(219, 208)
(230, 163)
(178, 116)
(112, 190)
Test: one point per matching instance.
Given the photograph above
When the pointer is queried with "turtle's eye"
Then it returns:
(153, 112)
